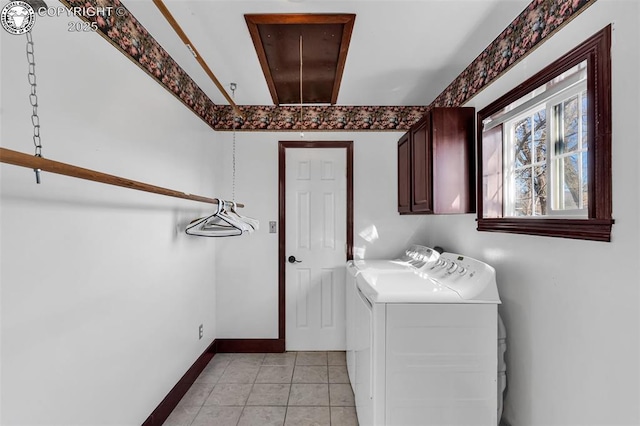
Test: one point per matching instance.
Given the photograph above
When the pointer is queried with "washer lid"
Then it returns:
(453, 279)
(415, 256)
(405, 288)
(379, 266)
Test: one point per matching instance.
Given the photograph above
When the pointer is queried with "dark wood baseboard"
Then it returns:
(162, 412)
(250, 345)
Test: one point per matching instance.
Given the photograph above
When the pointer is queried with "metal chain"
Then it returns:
(33, 99)
(233, 180)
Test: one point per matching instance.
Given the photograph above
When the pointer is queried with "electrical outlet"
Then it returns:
(272, 227)
(200, 332)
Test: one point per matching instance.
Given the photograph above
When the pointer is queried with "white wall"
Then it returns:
(101, 294)
(571, 307)
(247, 275)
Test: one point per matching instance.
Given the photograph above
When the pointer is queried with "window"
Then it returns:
(545, 159)
(546, 149)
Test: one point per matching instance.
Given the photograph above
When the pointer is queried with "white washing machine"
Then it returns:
(421, 343)
(415, 256)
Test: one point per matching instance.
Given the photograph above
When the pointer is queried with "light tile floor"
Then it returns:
(290, 389)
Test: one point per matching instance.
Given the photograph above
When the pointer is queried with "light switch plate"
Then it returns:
(272, 227)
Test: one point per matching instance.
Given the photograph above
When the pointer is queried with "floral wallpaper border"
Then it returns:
(319, 118)
(538, 21)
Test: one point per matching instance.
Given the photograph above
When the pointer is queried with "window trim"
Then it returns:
(597, 226)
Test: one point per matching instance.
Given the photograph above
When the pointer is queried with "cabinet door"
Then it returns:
(421, 193)
(453, 160)
(404, 174)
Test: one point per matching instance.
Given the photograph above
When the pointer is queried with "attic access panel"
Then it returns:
(325, 41)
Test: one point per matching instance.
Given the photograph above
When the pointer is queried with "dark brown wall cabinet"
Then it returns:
(436, 164)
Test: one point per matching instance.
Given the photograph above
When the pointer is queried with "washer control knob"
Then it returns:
(462, 270)
(452, 267)
(437, 263)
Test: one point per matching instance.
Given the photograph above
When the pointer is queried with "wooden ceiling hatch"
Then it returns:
(325, 40)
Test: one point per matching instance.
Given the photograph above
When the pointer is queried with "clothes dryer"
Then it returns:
(423, 345)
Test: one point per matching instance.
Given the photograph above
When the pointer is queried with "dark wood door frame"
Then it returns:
(282, 146)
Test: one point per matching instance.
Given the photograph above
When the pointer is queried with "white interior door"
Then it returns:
(316, 209)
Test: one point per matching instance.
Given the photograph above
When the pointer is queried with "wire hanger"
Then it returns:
(219, 224)
(253, 223)
(235, 219)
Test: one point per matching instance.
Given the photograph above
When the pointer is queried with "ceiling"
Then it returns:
(401, 52)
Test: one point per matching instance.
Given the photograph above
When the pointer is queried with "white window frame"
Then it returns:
(509, 163)
(575, 86)
(556, 194)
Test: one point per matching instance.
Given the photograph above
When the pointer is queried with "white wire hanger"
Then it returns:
(253, 224)
(223, 223)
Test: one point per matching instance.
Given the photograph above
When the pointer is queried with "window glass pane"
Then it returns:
(540, 134)
(572, 188)
(585, 180)
(571, 115)
(540, 189)
(523, 205)
(522, 142)
(492, 177)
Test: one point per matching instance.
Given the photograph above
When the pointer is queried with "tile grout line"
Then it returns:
(247, 399)
(286, 411)
(329, 389)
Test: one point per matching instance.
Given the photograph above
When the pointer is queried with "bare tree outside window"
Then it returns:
(530, 171)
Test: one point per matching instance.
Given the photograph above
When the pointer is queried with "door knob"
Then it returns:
(292, 259)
